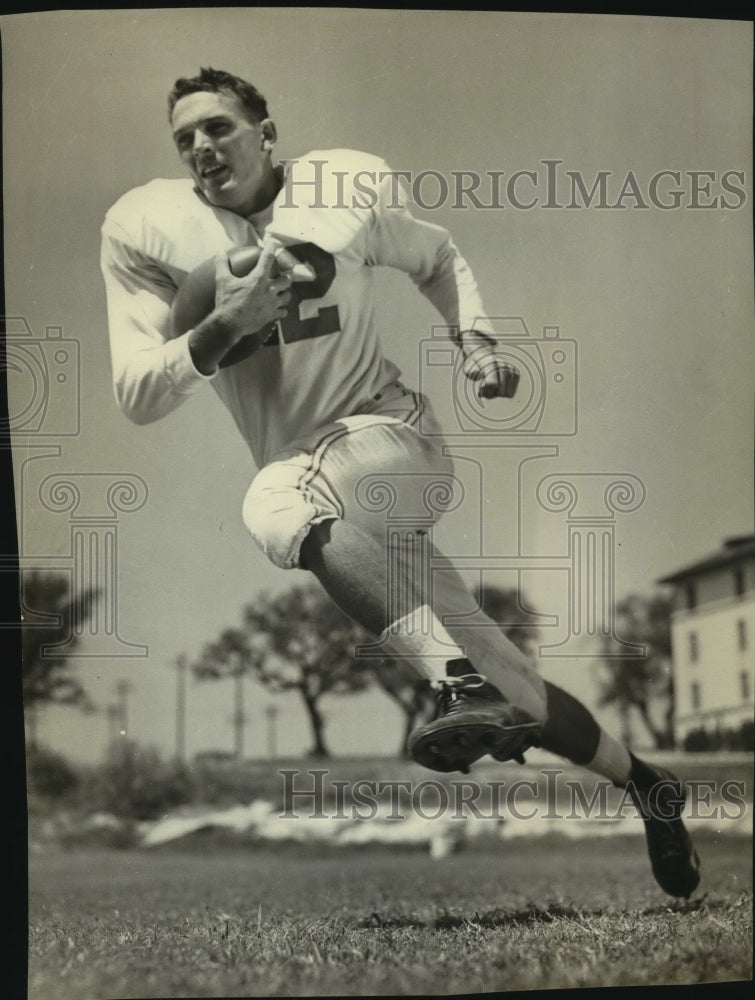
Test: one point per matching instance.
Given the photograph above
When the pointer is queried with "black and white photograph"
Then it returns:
(380, 424)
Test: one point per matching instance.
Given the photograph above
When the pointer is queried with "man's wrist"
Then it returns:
(209, 342)
(463, 334)
(180, 368)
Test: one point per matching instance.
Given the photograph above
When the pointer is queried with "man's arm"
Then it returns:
(153, 374)
(428, 254)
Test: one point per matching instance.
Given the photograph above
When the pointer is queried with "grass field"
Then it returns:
(298, 920)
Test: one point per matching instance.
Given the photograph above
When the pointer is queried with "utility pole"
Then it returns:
(271, 713)
(181, 709)
(239, 719)
(113, 713)
(123, 689)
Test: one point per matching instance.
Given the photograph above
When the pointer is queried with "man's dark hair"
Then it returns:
(219, 82)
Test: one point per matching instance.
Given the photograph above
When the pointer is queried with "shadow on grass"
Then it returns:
(703, 903)
(534, 914)
(490, 919)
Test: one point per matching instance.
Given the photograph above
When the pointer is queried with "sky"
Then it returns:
(653, 305)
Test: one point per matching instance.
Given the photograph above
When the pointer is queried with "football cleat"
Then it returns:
(660, 797)
(474, 719)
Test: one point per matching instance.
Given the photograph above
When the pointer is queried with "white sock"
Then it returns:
(611, 759)
(421, 638)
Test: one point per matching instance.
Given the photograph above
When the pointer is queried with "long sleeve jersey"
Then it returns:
(340, 212)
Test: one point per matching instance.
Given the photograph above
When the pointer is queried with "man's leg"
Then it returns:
(393, 594)
(572, 732)
(352, 567)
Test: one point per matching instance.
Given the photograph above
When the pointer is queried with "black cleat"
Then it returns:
(474, 719)
(660, 797)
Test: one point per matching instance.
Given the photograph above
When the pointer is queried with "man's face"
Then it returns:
(224, 152)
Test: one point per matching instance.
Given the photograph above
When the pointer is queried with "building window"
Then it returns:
(742, 634)
(694, 648)
(744, 685)
(694, 693)
(739, 581)
(690, 593)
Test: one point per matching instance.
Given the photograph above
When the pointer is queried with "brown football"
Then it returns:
(195, 299)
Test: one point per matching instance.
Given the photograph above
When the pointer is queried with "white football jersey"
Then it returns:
(341, 213)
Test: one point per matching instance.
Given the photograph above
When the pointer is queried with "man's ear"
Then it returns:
(269, 133)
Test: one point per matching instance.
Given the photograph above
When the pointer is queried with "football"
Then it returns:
(195, 299)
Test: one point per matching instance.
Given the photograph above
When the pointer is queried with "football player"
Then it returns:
(288, 342)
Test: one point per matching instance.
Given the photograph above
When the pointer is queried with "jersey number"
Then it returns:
(296, 327)
(326, 320)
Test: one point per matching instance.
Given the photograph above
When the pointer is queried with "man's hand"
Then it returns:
(495, 377)
(244, 303)
(237, 302)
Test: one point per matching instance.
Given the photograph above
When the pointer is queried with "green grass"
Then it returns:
(303, 921)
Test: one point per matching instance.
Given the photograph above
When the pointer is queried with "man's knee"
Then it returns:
(278, 519)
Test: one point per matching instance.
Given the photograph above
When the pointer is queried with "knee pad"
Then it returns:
(278, 519)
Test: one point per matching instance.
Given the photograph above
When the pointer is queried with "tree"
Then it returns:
(408, 688)
(49, 626)
(295, 641)
(635, 682)
(136, 783)
(509, 608)
(49, 774)
(230, 655)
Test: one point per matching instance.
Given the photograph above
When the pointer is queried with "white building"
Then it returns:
(713, 639)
